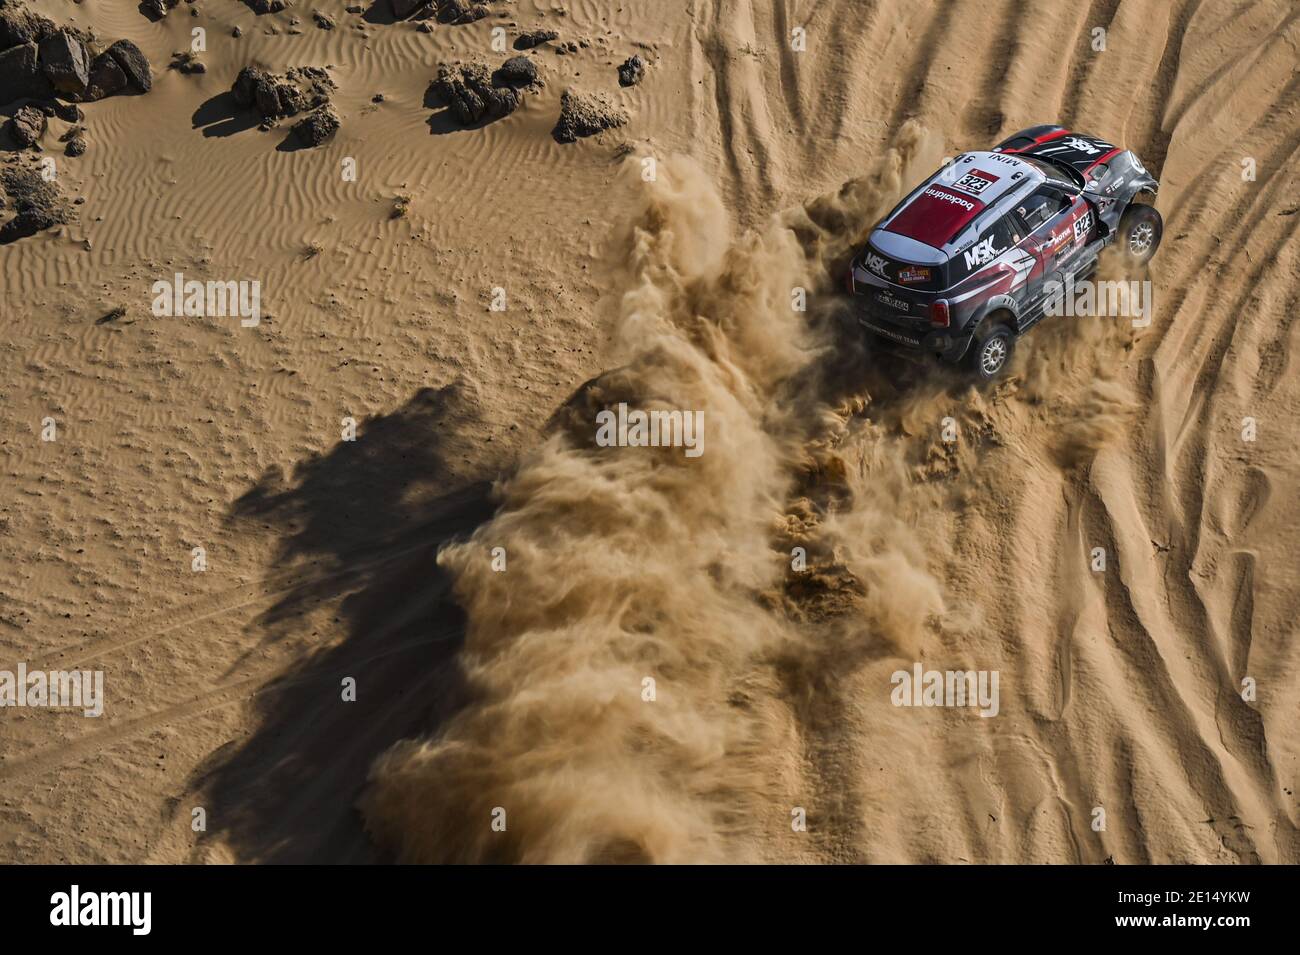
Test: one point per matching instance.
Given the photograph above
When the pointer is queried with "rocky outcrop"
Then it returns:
(26, 126)
(19, 25)
(65, 63)
(473, 93)
(586, 114)
(275, 96)
(316, 127)
(36, 203)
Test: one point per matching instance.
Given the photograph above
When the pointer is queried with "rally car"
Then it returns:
(968, 262)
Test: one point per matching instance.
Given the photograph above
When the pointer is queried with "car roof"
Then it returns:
(953, 206)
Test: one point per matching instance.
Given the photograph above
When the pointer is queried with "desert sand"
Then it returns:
(473, 295)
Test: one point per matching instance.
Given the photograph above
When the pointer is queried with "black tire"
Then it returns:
(1140, 231)
(990, 351)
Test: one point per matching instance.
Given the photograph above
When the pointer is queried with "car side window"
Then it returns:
(1041, 206)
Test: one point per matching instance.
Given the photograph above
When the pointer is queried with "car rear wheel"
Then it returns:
(990, 352)
(1140, 231)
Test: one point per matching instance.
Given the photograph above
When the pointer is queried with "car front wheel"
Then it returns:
(1140, 230)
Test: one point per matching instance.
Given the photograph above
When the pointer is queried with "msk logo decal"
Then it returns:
(914, 274)
(875, 263)
(982, 253)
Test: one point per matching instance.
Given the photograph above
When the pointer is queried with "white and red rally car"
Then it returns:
(968, 262)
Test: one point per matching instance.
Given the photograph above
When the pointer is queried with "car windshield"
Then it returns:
(1064, 173)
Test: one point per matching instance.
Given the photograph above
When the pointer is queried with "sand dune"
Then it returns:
(370, 559)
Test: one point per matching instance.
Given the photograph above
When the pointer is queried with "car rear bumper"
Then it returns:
(939, 342)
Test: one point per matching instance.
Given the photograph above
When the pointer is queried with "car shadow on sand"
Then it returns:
(363, 524)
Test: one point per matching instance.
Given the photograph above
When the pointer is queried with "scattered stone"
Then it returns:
(460, 12)
(631, 72)
(518, 71)
(65, 63)
(323, 20)
(526, 41)
(274, 96)
(111, 315)
(425, 26)
(26, 126)
(586, 114)
(355, 8)
(76, 145)
(133, 63)
(236, 33)
(317, 126)
(377, 98)
(187, 63)
(267, 6)
(157, 9)
(468, 89)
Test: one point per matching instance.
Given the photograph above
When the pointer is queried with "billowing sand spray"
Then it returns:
(629, 564)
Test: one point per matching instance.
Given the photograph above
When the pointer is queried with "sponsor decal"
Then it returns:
(887, 333)
(892, 302)
(975, 182)
(1082, 226)
(874, 263)
(945, 196)
(1082, 145)
(982, 253)
(913, 274)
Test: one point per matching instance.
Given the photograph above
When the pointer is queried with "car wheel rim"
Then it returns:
(993, 356)
(1141, 237)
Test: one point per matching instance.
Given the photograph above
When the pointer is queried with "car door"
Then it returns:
(1048, 217)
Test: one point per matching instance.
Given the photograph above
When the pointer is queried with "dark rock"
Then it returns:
(187, 63)
(26, 126)
(518, 71)
(133, 63)
(323, 20)
(631, 72)
(65, 63)
(459, 12)
(76, 145)
(526, 41)
(274, 96)
(157, 9)
(68, 112)
(19, 74)
(236, 33)
(106, 78)
(585, 115)
(404, 8)
(268, 6)
(469, 91)
(19, 25)
(39, 204)
(317, 126)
